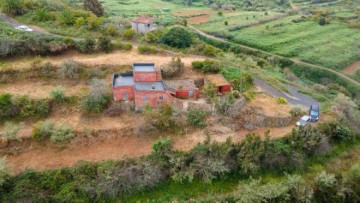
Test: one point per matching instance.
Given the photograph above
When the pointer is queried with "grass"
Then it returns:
(331, 45)
(238, 18)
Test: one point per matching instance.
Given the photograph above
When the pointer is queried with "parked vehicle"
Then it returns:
(303, 121)
(24, 28)
(314, 113)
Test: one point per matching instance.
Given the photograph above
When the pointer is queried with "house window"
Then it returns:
(145, 99)
(161, 98)
(148, 25)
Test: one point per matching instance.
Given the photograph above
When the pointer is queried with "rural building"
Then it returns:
(144, 85)
(143, 24)
(222, 86)
(182, 88)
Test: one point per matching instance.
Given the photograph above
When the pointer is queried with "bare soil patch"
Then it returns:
(269, 106)
(352, 68)
(120, 145)
(192, 13)
(41, 89)
(198, 19)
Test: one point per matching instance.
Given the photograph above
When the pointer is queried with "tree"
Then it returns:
(94, 6)
(226, 23)
(105, 44)
(322, 21)
(12, 7)
(177, 37)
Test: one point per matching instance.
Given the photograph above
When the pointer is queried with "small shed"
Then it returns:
(123, 87)
(143, 24)
(182, 88)
(221, 84)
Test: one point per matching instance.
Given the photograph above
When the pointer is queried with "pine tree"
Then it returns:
(94, 6)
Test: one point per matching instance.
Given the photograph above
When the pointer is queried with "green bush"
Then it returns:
(58, 95)
(98, 97)
(281, 100)
(296, 112)
(12, 7)
(61, 134)
(11, 131)
(211, 51)
(163, 148)
(177, 37)
(32, 108)
(86, 46)
(144, 49)
(207, 66)
(129, 34)
(197, 118)
(174, 68)
(105, 45)
(43, 130)
(4, 171)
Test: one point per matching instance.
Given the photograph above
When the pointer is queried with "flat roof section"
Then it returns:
(144, 67)
(149, 86)
(124, 81)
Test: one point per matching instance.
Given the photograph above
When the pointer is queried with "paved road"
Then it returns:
(294, 98)
(271, 54)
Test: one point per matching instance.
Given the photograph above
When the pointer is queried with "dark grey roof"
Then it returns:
(149, 86)
(124, 81)
(144, 67)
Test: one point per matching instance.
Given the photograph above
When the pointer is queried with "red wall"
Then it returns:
(118, 92)
(224, 89)
(152, 98)
(186, 94)
(145, 77)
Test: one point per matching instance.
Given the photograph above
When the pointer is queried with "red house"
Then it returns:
(222, 86)
(144, 85)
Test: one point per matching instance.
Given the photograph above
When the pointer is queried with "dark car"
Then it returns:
(314, 113)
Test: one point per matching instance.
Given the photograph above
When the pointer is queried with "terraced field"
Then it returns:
(330, 45)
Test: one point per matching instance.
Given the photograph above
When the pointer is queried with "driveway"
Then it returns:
(14, 23)
(294, 98)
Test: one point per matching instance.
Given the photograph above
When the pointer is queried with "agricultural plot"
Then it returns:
(216, 23)
(330, 45)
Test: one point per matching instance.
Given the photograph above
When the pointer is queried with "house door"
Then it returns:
(191, 93)
(126, 96)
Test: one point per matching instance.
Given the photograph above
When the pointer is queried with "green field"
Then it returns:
(216, 23)
(330, 45)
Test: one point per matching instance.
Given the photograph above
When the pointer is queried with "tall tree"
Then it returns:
(94, 6)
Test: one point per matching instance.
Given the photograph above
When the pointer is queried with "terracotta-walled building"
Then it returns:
(221, 84)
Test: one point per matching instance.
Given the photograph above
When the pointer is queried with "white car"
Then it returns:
(303, 121)
(24, 28)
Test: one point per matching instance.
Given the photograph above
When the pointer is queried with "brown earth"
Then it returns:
(41, 89)
(114, 58)
(192, 13)
(198, 19)
(352, 68)
(269, 106)
(113, 146)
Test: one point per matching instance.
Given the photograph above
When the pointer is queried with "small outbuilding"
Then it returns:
(183, 89)
(143, 24)
(221, 84)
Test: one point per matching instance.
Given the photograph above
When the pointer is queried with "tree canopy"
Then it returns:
(177, 37)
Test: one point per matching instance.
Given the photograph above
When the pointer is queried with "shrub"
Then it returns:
(163, 148)
(12, 7)
(226, 23)
(43, 130)
(94, 23)
(69, 69)
(210, 91)
(220, 13)
(207, 66)
(87, 46)
(296, 112)
(111, 30)
(328, 188)
(58, 95)
(66, 17)
(127, 46)
(104, 44)
(11, 131)
(4, 171)
(42, 15)
(129, 34)
(322, 21)
(223, 104)
(144, 49)
(61, 134)
(210, 50)
(98, 97)
(281, 100)
(177, 37)
(336, 131)
(94, 6)
(174, 68)
(32, 108)
(197, 117)
(160, 119)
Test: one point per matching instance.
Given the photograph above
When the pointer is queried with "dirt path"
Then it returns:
(352, 68)
(113, 146)
(271, 54)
